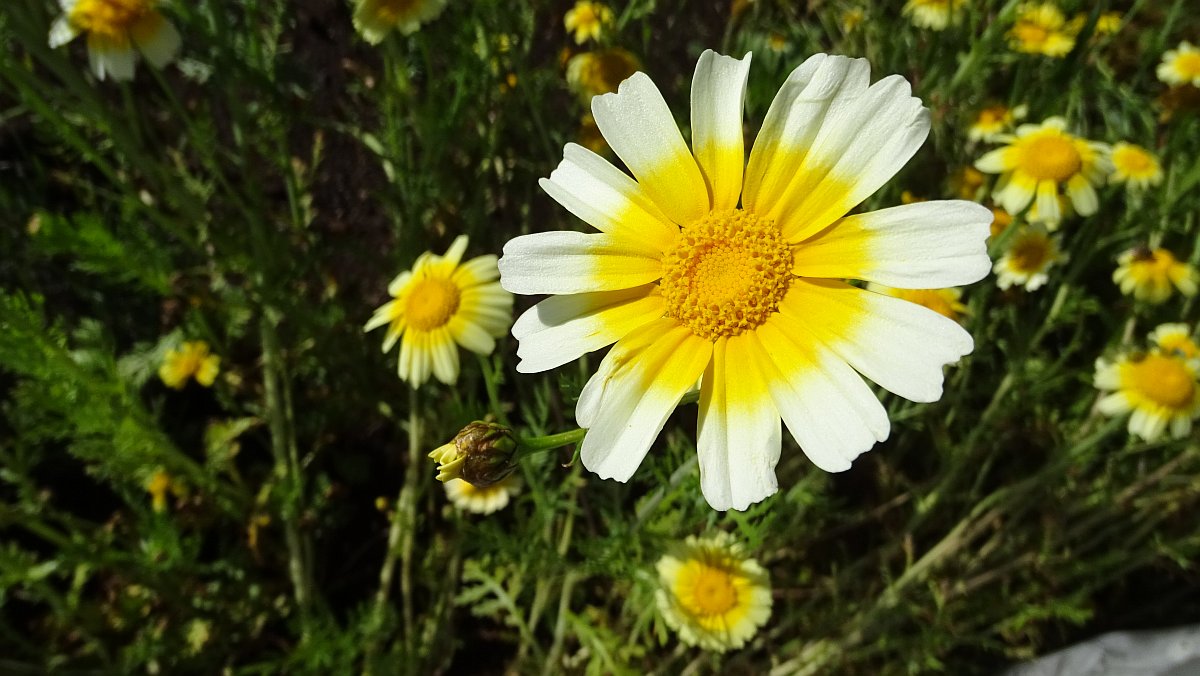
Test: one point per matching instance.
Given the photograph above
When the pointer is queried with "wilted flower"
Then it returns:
(712, 594)
(191, 360)
(1150, 274)
(482, 454)
(116, 29)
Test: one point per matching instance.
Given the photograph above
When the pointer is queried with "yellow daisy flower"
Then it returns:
(1028, 260)
(852, 18)
(1181, 65)
(1159, 388)
(159, 485)
(932, 14)
(777, 42)
(1175, 339)
(1135, 166)
(1150, 274)
(1109, 23)
(1041, 29)
(191, 360)
(587, 20)
(470, 498)
(995, 120)
(116, 30)
(710, 267)
(600, 72)
(711, 594)
(439, 304)
(374, 19)
(945, 302)
(1001, 219)
(1039, 159)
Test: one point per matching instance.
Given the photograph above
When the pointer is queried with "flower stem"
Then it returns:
(551, 441)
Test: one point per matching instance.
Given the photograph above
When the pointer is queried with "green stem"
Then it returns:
(550, 441)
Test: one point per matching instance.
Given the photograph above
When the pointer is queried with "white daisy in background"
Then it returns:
(470, 498)
(1028, 260)
(995, 120)
(1158, 388)
(439, 305)
(712, 594)
(1135, 166)
(1181, 66)
(116, 31)
(710, 268)
(1038, 160)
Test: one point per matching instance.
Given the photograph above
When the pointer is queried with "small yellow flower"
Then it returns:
(1150, 274)
(852, 19)
(995, 120)
(711, 594)
(600, 72)
(116, 30)
(1109, 23)
(908, 197)
(1175, 339)
(946, 302)
(1158, 388)
(1135, 166)
(777, 42)
(191, 360)
(966, 182)
(1001, 219)
(439, 304)
(1041, 29)
(1040, 159)
(471, 498)
(1028, 260)
(932, 14)
(374, 19)
(158, 486)
(587, 20)
(1181, 65)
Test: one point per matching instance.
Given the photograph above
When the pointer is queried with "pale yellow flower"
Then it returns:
(932, 14)
(374, 19)
(1041, 29)
(1158, 388)
(600, 72)
(191, 360)
(852, 18)
(158, 486)
(1109, 23)
(712, 594)
(1181, 65)
(493, 498)
(993, 121)
(777, 42)
(439, 305)
(1151, 274)
(587, 20)
(1040, 159)
(1028, 260)
(1135, 166)
(116, 31)
(1175, 339)
(945, 302)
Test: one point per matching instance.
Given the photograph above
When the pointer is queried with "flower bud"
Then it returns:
(481, 454)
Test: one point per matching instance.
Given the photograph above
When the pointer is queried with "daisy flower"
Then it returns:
(1150, 274)
(470, 498)
(374, 19)
(600, 72)
(705, 269)
(438, 305)
(1041, 29)
(993, 121)
(1175, 339)
(1181, 65)
(1159, 389)
(712, 594)
(945, 302)
(116, 29)
(852, 18)
(932, 14)
(1135, 166)
(587, 20)
(191, 360)
(1028, 260)
(1041, 158)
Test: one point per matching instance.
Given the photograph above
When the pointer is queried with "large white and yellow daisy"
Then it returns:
(116, 31)
(439, 304)
(708, 267)
(1040, 158)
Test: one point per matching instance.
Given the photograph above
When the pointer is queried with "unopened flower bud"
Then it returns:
(481, 454)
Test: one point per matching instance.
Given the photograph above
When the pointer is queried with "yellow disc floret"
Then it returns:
(1164, 380)
(110, 18)
(431, 303)
(726, 273)
(706, 591)
(1050, 157)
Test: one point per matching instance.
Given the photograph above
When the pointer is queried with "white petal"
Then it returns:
(718, 92)
(572, 262)
(444, 356)
(158, 40)
(639, 128)
(62, 32)
(110, 59)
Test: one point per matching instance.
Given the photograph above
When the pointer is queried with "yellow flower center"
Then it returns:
(1132, 160)
(1030, 34)
(1030, 254)
(1050, 157)
(431, 303)
(726, 273)
(111, 18)
(1164, 380)
(991, 117)
(391, 11)
(705, 590)
(1187, 65)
